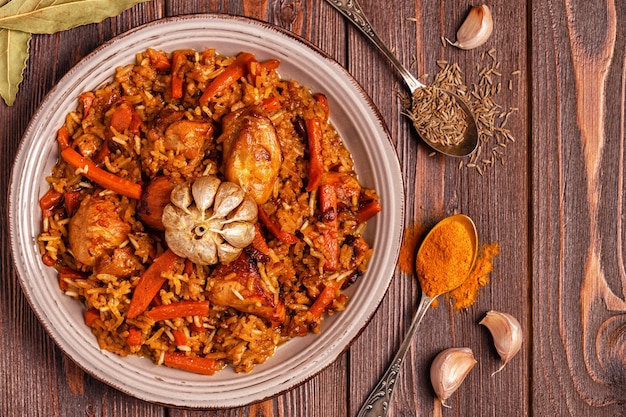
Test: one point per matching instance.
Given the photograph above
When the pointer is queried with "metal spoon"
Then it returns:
(352, 11)
(377, 403)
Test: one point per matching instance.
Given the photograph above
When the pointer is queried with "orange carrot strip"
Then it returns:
(368, 210)
(135, 124)
(48, 260)
(72, 201)
(323, 300)
(323, 101)
(188, 267)
(179, 309)
(91, 316)
(158, 59)
(63, 137)
(196, 364)
(328, 206)
(270, 104)
(316, 161)
(86, 99)
(121, 118)
(50, 199)
(230, 75)
(259, 242)
(68, 273)
(178, 60)
(102, 153)
(100, 176)
(179, 337)
(150, 283)
(273, 228)
(134, 337)
(271, 64)
(195, 328)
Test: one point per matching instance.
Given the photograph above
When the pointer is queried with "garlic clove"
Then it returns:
(476, 28)
(507, 335)
(203, 190)
(449, 369)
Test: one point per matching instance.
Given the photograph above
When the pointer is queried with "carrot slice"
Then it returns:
(121, 118)
(316, 161)
(101, 177)
(86, 100)
(134, 337)
(368, 210)
(158, 59)
(179, 309)
(50, 199)
(150, 283)
(270, 104)
(323, 300)
(328, 206)
(230, 75)
(196, 364)
(91, 316)
(323, 101)
(72, 201)
(48, 260)
(271, 64)
(178, 59)
(63, 137)
(69, 273)
(259, 242)
(179, 337)
(273, 228)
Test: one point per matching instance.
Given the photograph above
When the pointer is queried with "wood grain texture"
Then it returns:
(555, 207)
(579, 326)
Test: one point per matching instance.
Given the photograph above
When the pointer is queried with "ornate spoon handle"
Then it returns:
(353, 12)
(377, 404)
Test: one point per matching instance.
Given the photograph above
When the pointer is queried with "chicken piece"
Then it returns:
(88, 144)
(188, 137)
(239, 285)
(96, 228)
(123, 263)
(179, 136)
(252, 154)
(155, 196)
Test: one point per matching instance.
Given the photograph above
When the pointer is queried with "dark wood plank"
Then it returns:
(579, 299)
(437, 187)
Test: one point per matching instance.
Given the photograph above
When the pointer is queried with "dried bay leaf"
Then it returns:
(50, 16)
(21, 18)
(14, 46)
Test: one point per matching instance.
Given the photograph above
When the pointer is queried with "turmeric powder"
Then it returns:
(465, 295)
(445, 259)
(410, 238)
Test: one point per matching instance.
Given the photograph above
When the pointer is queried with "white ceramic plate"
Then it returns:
(358, 122)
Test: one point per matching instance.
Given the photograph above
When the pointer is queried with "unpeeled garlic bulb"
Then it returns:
(476, 28)
(449, 369)
(507, 335)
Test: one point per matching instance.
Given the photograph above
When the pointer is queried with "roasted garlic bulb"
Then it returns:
(209, 221)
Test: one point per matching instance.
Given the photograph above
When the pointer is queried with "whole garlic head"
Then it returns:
(449, 369)
(209, 221)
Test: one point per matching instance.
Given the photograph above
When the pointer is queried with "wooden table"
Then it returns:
(555, 207)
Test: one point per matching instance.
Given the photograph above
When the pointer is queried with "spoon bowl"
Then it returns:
(468, 144)
(377, 403)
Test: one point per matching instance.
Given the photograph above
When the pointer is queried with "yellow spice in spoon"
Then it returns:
(445, 259)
